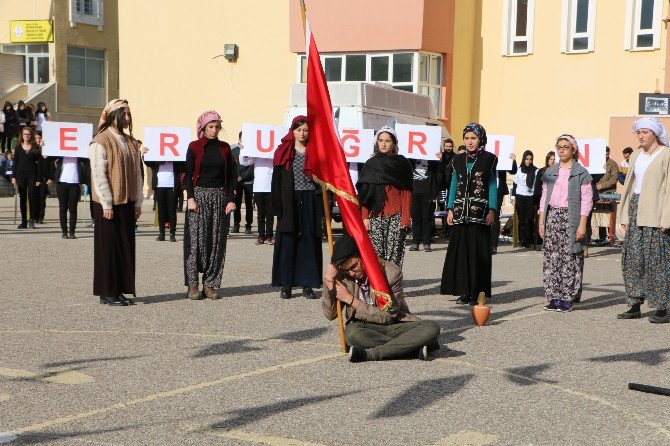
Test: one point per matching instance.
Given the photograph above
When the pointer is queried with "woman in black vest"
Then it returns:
(471, 211)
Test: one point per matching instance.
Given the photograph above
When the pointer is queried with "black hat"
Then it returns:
(343, 249)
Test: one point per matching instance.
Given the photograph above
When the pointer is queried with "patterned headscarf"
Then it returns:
(204, 119)
(655, 126)
(478, 130)
(111, 106)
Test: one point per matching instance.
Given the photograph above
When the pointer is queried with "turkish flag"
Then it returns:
(329, 168)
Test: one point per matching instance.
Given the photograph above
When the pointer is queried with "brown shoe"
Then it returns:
(193, 293)
(210, 293)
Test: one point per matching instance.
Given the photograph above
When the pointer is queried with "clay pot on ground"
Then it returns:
(481, 312)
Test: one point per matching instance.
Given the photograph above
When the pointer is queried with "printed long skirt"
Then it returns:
(388, 239)
(298, 256)
(563, 269)
(114, 251)
(205, 237)
(468, 265)
(645, 263)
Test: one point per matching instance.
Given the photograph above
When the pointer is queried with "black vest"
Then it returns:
(472, 191)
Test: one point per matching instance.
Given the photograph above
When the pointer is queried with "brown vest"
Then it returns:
(121, 167)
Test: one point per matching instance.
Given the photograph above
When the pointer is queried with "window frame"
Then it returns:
(415, 84)
(632, 30)
(509, 37)
(86, 90)
(78, 16)
(569, 22)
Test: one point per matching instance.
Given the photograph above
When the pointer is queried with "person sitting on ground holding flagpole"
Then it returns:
(372, 333)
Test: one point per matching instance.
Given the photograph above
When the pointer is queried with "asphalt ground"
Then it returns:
(253, 369)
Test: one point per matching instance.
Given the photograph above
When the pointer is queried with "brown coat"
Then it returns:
(121, 167)
(609, 179)
(370, 313)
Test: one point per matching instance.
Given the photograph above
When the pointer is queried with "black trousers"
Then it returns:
(28, 191)
(525, 211)
(68, 198)
(247, 191)
(265, 218)
(166, 197)
(422, 218)
(495, 227)
(43, 192)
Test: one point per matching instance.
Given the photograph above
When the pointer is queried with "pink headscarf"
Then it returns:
(205, 119)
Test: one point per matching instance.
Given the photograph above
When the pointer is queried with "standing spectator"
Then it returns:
(42, 114)
(549, 161)
(471, 211)
(523, 198)
(116, 169)
(503, 189)
(623, 170)
(25, 115)
(263, 199)
(298, 257)
(645, 214)
(424, 190)
(11, 126)
(444, 174)
(7, 166)
(385, 191)
(567, 200)
(69, 173)
(43, 190)
(245, 186)
(210, 182)
(607, 183)
(28, 175)
(166, 183)
(2, 131)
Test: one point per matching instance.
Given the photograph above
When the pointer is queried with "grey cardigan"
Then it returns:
(578, 177)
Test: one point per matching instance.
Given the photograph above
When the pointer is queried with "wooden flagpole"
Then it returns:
(326, 209)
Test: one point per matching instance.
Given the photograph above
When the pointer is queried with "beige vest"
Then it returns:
(121, 167)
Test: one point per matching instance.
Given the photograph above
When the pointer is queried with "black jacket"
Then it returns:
(178, 167)
(245, 173)
(434, 177)
(55, 168)
(472, 190)
(28, 164)
(283, 205)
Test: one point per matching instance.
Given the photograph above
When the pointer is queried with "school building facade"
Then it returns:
(61, 52)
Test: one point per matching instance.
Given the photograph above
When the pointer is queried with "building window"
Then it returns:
(643, 25)
(37, 67)
(579, 26)
(86, 76)
(430, 78)
(89, 12)
(414, 72)
(518, 25)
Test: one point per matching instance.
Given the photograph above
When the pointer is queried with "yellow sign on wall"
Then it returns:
(31, 31)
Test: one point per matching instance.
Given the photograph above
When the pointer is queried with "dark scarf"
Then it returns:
(377, 173)
(528, 170)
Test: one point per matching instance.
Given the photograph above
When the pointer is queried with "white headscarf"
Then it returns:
(655, 126)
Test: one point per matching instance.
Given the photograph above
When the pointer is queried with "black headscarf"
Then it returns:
(528, 170)
(378, 172)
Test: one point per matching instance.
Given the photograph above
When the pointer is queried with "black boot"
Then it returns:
(31, 224)
(661, 317)
(161, 237)
(632, 313)
(285, 293)
(65, 235)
